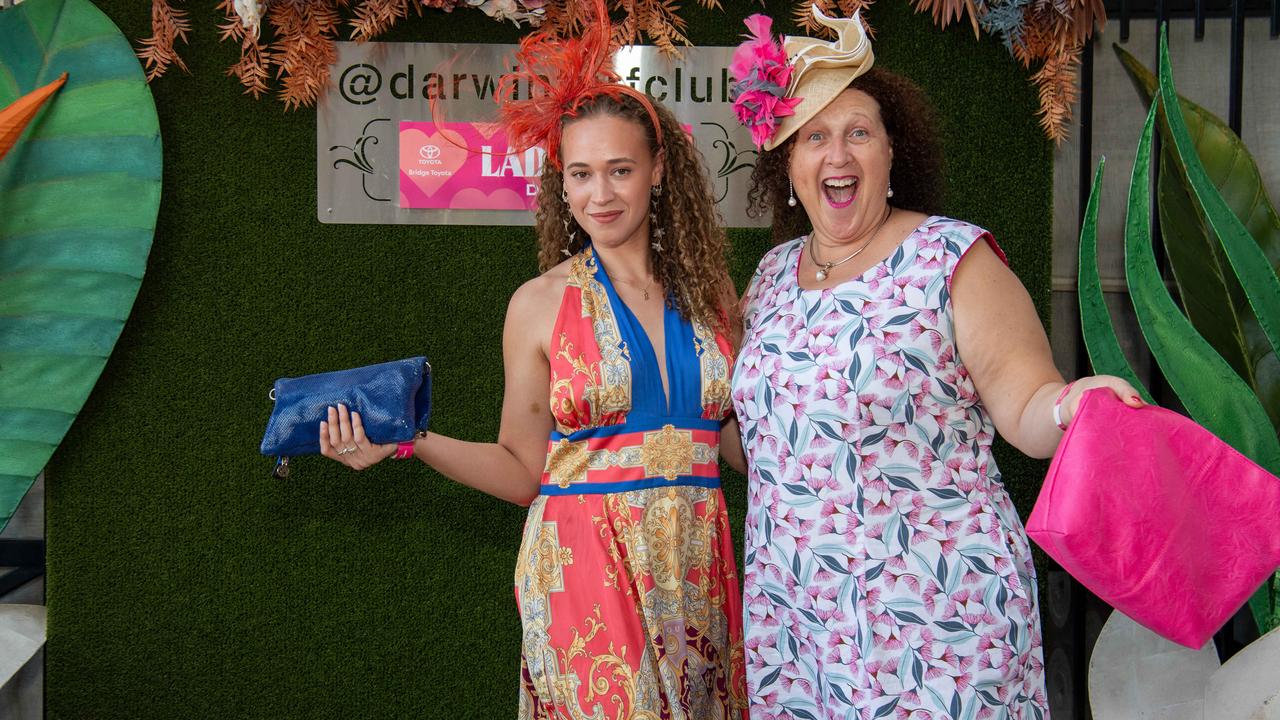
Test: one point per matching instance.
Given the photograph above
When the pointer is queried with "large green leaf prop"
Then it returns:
(1211, 295)
(1105, 353)
(1208, 387)
(1227, 275)
(79, 195)
(1252, 267)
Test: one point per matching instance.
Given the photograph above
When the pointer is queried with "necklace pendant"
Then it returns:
(646, 294)
(821, 275)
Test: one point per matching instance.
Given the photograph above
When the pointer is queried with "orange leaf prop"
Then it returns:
(14, 119)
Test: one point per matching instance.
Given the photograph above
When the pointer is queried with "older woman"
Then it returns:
(886, 571)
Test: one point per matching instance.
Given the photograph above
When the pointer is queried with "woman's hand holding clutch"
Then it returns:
(342, 438)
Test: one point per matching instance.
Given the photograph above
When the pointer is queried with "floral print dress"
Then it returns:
(886, 572)
(626, 582)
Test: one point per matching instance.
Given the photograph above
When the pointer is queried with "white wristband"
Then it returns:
(1057, 406)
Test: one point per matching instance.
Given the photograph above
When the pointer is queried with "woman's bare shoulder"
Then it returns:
(536, 303)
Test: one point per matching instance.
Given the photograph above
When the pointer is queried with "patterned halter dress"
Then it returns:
(626, 583)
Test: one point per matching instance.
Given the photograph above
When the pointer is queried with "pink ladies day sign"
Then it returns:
(465, 166)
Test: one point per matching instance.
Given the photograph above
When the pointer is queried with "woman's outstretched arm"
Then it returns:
(509, 469)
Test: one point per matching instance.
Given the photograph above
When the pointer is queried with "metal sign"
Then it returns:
(405, 133)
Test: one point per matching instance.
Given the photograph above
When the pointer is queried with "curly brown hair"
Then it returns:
(693, 263)
(916, 175)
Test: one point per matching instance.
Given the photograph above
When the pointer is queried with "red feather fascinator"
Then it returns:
(563, 74)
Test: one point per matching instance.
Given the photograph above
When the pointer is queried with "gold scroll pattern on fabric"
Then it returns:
(667, 453)
(606, 388)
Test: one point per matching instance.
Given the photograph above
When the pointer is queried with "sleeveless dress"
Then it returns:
(626, 583)
(886, 571)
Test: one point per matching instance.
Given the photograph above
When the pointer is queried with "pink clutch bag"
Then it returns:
(1158, 517)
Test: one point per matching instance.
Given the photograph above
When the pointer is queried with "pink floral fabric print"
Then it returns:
(887, 574)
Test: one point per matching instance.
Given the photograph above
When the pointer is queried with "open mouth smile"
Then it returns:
(840, 191)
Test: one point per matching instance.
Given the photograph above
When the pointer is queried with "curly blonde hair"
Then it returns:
(693, 263)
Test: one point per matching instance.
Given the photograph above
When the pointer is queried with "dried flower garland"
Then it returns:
(303, 32)
(1050, 33)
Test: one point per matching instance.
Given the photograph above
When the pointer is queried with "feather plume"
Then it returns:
(563, 74)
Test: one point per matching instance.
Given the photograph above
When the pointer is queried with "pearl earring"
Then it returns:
(890, 193)
(791, 190)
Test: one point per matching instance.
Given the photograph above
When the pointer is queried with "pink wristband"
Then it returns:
(404, 450)
(1057, 406)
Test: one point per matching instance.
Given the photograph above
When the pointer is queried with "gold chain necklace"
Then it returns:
(644, 290)
(825, 268)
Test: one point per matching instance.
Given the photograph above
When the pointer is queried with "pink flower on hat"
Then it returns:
(761, 75)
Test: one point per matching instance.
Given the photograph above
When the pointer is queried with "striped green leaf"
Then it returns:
(79, 195)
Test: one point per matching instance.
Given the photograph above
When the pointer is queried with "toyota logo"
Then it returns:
(429, 152)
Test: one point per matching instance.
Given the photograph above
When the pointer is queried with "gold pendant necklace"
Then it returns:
(824, 268)
(643, 290)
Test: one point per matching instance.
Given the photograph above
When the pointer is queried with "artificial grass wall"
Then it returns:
(183, 582)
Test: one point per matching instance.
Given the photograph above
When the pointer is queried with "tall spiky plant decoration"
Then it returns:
(1214, 392)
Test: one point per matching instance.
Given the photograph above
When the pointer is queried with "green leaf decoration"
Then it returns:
(1211, 294)
(79, 195)
(1209, 388)
(1257, 277)
(1105, 353)
(1252, 267)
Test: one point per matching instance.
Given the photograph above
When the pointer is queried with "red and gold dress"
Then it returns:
(626, 582)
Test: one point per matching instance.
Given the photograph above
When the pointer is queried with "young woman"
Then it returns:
(617, 366)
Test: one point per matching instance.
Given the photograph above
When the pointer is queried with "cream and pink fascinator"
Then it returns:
(781, 86)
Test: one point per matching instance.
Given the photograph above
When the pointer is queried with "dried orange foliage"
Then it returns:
(658, 21)
(803, 16)
(168, 25)
(1048, 33)
(1055, 35)
(303, 33)
(1057, 80)
(375, 17)
(945, 12)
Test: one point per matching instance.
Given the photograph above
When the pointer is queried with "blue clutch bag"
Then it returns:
(393, 399)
